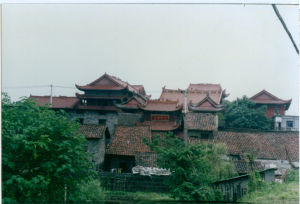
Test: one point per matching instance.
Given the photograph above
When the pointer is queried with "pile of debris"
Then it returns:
(148, 171)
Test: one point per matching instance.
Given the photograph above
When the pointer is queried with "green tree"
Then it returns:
(242, 113)
(194, 167)
(41, 154)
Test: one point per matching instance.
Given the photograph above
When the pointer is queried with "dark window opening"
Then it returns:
(83, 101)
(201, 134)
(80, 120)
(102, 122)
(101, 112)
(290, 124)
(79, 111)
(279, 125)
(206, 135)
(276, 111)
(119, 164)
(124, 99)
(107, 137)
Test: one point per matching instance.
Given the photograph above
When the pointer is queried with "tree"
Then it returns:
(242, 113)
(194, 167)
(41, 153)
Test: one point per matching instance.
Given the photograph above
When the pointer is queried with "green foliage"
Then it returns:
(255, 181)
(194, 167)
(243, 114)
(292, 176)
(221, 120)
(89, 191)
(139, 197)
(287, 192)
(41, 153)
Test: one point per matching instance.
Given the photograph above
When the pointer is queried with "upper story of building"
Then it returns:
(275, 105)
(112, 101)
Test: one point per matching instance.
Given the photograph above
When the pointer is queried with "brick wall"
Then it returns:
(132, 183)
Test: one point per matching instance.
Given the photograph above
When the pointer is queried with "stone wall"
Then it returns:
(129, 119)
(97, 148)
(111, 119)
(132, 183)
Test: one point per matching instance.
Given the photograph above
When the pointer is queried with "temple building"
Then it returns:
(275, 105)
(116, 117)
(195, 94)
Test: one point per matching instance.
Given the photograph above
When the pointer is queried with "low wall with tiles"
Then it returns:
(132, 183)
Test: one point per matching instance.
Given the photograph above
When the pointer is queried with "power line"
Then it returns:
(25, 87)
(41, 86)
(285, 27)
(216, 2)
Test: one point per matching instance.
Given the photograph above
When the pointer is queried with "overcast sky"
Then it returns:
(243, 48)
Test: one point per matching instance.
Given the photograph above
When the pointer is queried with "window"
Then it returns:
(201, 134)
(276, 111)
(80, 120)
(83, 102)
(102, 122)
(205, 135)
(194, 133)
(290, 124)
(79, 111)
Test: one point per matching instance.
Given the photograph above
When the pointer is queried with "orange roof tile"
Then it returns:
(158, 105)
(265, 97)
(92, 131)
(57, 101)
(263, 145)
(128, 140)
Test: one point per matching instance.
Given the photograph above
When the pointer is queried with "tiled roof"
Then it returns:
(101, 108)
(172, 95)
(128, 140)
(206, 105)
(92, 131)
(195, 93)
(57, 101)
(264, 97)
(109, 82)
(157, 105)
(263, 145)
(243, 167)
(200, 121)
(97, 96)
(161, 125)
(140, 89)
(130, 104)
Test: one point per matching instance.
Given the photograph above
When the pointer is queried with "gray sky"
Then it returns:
(244, 48)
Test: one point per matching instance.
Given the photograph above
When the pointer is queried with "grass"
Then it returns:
(287, 192)
(137, 196)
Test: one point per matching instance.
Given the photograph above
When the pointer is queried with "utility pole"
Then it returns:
(51, 86)
(65, 197)
(185, 100)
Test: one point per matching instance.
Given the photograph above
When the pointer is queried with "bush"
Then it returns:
(90, 191)
(293, 175)
(42, 153)
(194, 167)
